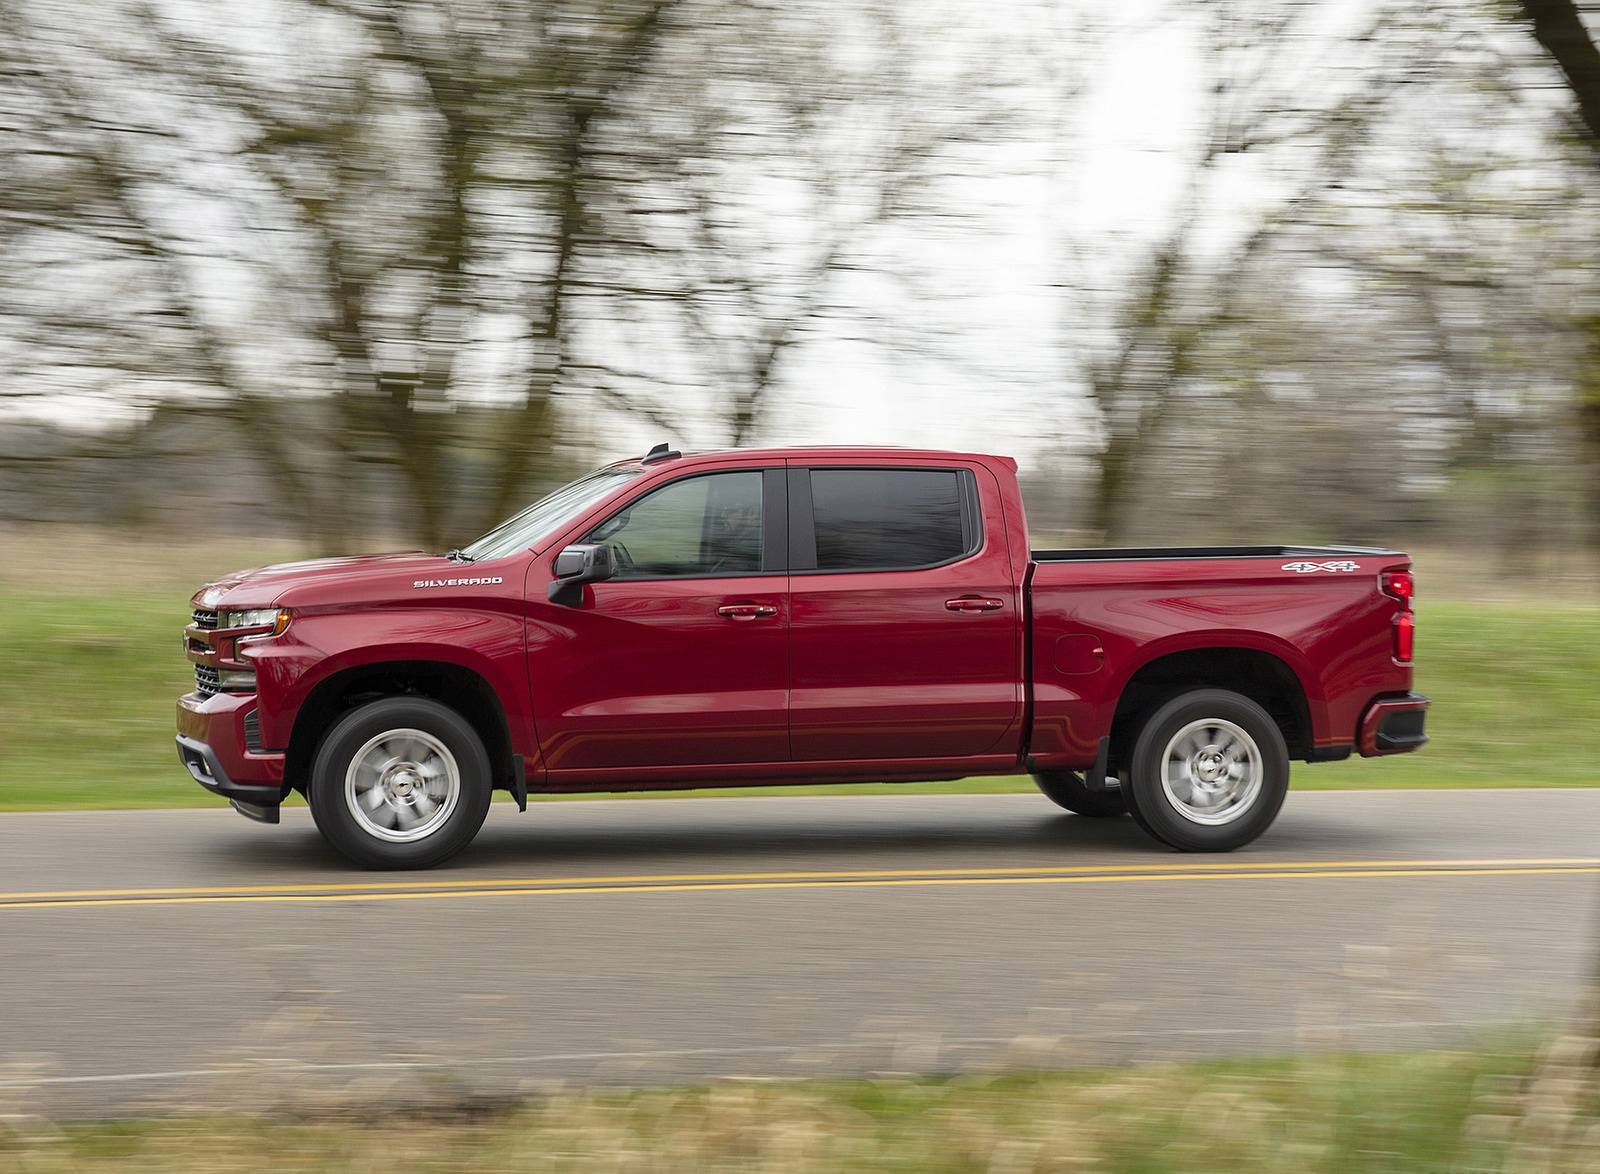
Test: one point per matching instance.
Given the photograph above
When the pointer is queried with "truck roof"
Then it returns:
(866, 452)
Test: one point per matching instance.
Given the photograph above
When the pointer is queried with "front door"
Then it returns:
(681, 659)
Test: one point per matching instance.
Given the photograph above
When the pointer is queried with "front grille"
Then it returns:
(204, 618)
(207, 680)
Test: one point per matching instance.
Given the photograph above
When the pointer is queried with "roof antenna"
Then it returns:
(660, 453)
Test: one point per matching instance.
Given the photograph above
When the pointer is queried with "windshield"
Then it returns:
(547, 515)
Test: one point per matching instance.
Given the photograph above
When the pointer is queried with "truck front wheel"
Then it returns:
(400, 783)
(1209, 773)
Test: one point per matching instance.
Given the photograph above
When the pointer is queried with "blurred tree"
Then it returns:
(94, 301)
(357, 218)
(374, 181)
(440, 172)
(1559, 27)
(794, 182)
(1368, 264)
(1428, 289)
(1281, 116)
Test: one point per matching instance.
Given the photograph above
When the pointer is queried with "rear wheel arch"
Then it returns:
(1263, 677)
(452, 685)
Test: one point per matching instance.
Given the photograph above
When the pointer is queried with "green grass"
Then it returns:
(87, 701)
(88, 685)
(1516, 701)
(1427, 1112)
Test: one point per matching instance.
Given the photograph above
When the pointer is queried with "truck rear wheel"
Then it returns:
(400, 783)
(1066, 789)
(1209, 773)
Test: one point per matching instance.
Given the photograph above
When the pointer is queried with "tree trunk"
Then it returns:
(1559, 28)
(1111, 502)
(1588, 425)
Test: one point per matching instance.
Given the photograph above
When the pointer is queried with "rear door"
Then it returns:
(904, 629)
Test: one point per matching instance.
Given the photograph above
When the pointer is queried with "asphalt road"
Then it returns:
(192, 959)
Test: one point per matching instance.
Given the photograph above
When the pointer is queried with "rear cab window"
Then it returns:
(884, 519)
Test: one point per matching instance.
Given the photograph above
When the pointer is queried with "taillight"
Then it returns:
(1400, 585)
(1405, 635)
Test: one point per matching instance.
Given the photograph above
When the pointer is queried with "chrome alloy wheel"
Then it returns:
(1212, 771)
(402, 785)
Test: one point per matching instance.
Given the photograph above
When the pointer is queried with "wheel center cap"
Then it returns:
(1209, 767)
(402, 783)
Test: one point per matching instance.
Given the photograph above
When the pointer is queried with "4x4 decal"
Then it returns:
(1308, 568)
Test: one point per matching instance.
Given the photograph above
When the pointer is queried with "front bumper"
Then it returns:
(1393, 725)
(213, 747)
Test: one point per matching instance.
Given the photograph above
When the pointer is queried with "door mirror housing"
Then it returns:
(582, 563)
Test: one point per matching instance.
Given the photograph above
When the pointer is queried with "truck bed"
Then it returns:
(1109, 625)
(1128, 553)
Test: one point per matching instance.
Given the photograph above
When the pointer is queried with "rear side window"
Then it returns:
(892, 519)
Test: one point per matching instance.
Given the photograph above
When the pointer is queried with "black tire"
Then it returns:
(1066, 789)
(400, 783)
(1210, 771)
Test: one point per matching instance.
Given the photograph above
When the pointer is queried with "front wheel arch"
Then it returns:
(459, 688)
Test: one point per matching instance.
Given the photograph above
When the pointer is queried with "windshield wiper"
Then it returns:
(459, 556)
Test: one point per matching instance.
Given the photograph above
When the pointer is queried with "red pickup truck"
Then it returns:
(798, 615)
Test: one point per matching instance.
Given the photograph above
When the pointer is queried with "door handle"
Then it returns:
(974, 603)
(746, 611)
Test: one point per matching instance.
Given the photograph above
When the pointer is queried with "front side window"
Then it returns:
(697, 527)
(891, 519)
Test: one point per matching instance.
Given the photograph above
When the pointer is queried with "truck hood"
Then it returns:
(265, 586)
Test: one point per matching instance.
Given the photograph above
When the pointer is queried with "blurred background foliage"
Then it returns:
(358, 272)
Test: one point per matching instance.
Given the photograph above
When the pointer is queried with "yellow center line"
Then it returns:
(424, 890)
(1186, 867)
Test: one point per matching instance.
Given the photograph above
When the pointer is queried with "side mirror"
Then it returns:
(575, 566)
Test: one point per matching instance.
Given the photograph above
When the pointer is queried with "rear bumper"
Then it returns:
(1393, 725)
(212, 747)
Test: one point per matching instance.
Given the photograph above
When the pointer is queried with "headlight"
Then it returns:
(274, 618)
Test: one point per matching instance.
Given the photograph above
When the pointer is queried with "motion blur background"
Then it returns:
(359, 273)
(289, 277)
